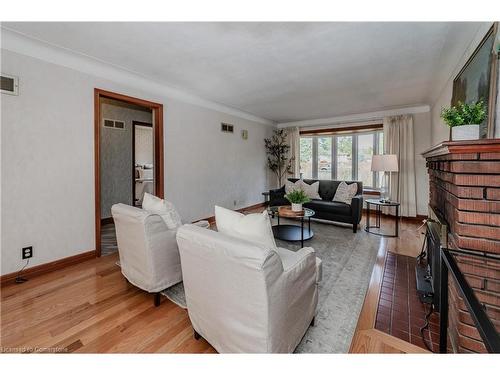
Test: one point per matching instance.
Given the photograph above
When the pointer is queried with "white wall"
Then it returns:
(439, 130)
(48, 160)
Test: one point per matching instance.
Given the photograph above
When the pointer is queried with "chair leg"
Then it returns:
(196, 335)
(312, 321)
(354, 228)
(157, 299)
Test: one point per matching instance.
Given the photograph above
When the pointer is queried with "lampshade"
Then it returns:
(384, 163)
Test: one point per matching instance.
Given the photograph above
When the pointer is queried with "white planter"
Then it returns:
(464, 132)
(296, 207)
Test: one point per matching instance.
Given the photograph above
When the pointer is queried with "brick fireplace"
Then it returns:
(465, 196)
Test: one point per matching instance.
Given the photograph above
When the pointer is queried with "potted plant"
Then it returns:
(297, 198)
(464, 119)
(278, 159)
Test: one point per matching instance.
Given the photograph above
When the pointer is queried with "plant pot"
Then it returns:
(464, 132)
(296, 207)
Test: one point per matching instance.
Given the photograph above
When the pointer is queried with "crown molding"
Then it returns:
(360, 117)
(19, 43)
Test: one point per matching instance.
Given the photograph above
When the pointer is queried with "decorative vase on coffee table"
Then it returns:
(296, 207)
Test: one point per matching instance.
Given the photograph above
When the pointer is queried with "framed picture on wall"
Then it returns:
(477, 81)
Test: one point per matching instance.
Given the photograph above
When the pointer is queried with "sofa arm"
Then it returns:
(357, 209)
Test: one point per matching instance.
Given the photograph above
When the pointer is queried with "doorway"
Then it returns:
(128, 145)
(143, 160)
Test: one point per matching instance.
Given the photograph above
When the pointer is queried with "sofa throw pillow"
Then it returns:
(345, 192)
(255, 228)
(291, 186)
(312, 190)
(163, 208)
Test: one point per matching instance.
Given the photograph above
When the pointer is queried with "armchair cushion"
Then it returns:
(252, 227)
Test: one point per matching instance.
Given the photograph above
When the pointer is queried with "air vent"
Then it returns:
(226, 128)
(9, 84)
(115, 124)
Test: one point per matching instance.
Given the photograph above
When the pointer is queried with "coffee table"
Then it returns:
(290, 232)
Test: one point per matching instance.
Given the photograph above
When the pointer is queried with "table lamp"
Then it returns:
(385, 163)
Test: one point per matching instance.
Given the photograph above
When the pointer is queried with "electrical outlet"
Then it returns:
(27, 252)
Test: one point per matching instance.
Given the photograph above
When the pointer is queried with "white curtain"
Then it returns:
(398, 139)
(293, 139)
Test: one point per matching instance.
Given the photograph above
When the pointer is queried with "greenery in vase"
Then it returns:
(297, 196)
(464, 114)
(277, 150)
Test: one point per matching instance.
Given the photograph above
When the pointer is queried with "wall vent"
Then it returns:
(226, 128)
(9, 84)
(115, 124)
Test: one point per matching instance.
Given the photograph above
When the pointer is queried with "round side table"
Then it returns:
(378, 213)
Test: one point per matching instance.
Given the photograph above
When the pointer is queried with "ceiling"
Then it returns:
(279, 71)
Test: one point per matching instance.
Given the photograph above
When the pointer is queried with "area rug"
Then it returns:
(175, 293)
(347, 261)
(108, 240)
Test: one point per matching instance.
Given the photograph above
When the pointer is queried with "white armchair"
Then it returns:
(245, 298)
(149, 256)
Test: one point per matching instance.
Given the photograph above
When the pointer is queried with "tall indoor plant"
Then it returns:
(464, 119)
(278, 159)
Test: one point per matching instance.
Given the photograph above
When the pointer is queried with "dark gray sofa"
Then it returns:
(325, 208)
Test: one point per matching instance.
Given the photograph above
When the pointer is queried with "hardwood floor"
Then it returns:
(90, 308)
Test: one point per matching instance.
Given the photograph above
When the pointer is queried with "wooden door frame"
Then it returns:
(157, 110)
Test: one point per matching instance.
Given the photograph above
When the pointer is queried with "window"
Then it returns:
(324, 158)
(306, 157)
(344, 158)
(341, 157)
(365, 152)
